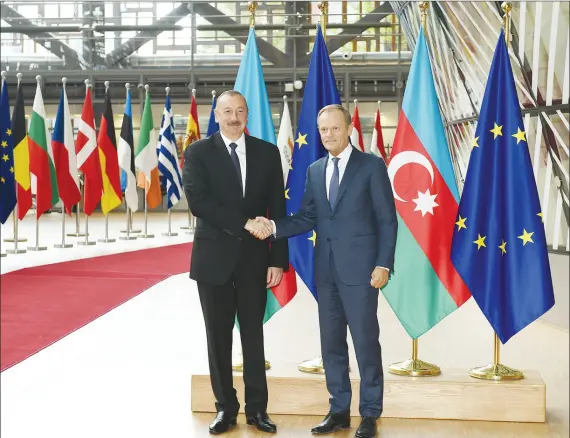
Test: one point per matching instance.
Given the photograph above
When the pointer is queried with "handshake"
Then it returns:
(260, 227)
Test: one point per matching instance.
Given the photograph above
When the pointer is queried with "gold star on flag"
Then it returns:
(541, 216)
(2, 179)
(475, 144)
(11, 169)
(313, 238)
(8, 131)
(480, 241)
(301, 140)
(497, 130)
(461, 223)
(526, 237)
(287, 194)
(5, 157)
(4, 144)
(520, 135)
(503, 247)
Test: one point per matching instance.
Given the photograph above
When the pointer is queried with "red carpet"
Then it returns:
(41, 305)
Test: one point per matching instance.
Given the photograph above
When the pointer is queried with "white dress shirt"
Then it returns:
(240, 151)
(342, 162)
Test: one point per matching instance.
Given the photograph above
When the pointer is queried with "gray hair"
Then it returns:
(233, 93)
(336, 107)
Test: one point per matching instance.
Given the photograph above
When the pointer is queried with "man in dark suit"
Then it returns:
(229, 179)
(348, 197)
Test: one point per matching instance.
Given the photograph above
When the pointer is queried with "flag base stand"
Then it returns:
(128, 238)
(63, 245)
(12, 240)
(16, 251)
(170, 234)
(146, 236)
(237, 363)
(37, 248)
(86, 243)
(75, 234)
(496, 371)
(313, 366)
(106, 240)
(414, 367)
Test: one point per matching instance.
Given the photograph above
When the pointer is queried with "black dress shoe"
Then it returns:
(222, 423)
(262, 421)
(367, 428)
(333, 421)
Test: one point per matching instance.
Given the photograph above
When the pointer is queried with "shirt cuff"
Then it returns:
(274, 228)
(383, 268)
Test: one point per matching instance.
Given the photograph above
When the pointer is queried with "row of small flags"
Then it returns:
(488, 243)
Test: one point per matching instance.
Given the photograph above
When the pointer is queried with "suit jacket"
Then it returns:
(361, 229)
(215, 198)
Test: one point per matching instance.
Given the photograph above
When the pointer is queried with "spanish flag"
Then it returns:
(192, 128)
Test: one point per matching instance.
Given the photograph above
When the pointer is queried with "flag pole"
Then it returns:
(145, 235)
(86, 242)
(37, 247)
(77, 233)
(169, 233)
(63, 244)
(237, 361)
(15, 238)
(16, 250)
(316, 365)
(106, 238)
(414, 367)
(496, 371)
(190, 226)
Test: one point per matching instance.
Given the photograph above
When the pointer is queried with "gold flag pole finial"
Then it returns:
(423, 14)
(252, 7)
(507, 8)
(324, 8)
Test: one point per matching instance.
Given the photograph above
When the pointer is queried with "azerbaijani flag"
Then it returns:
(425, 286)
(251, 84)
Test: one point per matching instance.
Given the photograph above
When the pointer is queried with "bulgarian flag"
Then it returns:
(41, 157)
(251, 84)
(425, 286)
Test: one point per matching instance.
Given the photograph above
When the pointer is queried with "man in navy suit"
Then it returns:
(348, 197)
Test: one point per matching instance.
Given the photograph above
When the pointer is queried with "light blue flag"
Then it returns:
(251, 83)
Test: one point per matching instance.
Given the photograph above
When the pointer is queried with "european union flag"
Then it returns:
(499, 243)
(320, 91)
(213, 127)
(7, 181)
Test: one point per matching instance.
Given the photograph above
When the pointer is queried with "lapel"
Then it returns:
(351, 167)
(321, 179)
(226, 165)
(249, 165)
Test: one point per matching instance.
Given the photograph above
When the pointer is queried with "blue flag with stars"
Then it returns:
(499, 243)
(213, 127)
(320, 91)
(7, 181)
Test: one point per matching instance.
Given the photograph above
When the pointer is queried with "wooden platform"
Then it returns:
(452, 395)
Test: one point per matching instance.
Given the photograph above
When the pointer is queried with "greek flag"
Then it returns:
(168, 165)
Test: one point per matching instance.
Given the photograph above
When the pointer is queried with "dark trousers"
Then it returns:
(245, 294)
(356, 306)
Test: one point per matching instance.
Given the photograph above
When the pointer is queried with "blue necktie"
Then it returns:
(235, 159)
(333, 187)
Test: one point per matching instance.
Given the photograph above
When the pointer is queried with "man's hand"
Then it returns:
(261, 229)
(274, 276)
(379, 277)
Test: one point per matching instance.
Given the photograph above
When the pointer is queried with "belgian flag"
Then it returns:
(21, 156)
